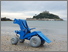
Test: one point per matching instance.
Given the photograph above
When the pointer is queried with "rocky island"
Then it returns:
(46, 16)
(5, 19)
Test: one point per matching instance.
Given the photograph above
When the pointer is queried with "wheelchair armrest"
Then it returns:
(17, 32)
(32, 28)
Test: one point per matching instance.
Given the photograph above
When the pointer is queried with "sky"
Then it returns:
(27, 9)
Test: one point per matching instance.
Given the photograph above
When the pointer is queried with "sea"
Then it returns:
(46, 27)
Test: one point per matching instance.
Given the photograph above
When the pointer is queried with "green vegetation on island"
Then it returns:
(47, 15)
(5, 19)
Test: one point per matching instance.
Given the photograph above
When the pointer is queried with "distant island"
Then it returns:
(43, 16)
(46, 16)
(5, 19)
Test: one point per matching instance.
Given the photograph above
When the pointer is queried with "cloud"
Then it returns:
(62, 13)
(22, 15)
(27, 9)
(33, 5)
(15, 15)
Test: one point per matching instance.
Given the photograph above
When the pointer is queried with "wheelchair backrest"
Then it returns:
(23, 25)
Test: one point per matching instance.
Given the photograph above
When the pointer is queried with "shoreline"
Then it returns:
(44, 19)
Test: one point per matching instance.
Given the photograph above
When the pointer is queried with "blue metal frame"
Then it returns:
(25, 31)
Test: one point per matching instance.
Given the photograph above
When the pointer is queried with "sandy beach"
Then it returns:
(55, 45)
(56, 31)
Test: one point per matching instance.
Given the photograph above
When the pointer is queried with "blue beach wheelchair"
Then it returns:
(37, 38)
